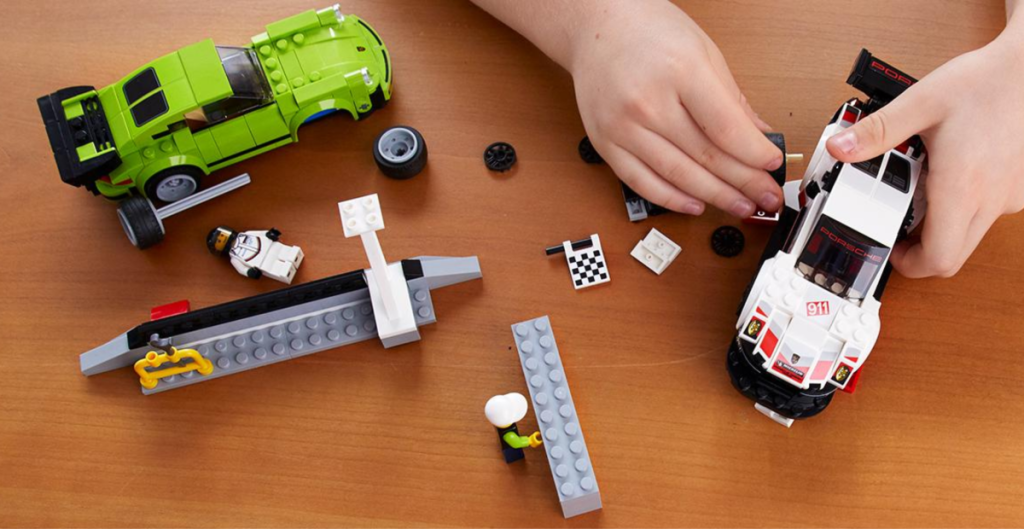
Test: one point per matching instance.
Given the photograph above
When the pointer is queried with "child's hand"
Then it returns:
(970, 114)
(662, 108)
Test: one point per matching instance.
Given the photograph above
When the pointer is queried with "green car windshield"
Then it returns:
(248, 84)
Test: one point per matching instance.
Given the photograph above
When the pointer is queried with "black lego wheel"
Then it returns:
(727, 241)
(780, 141)
(588, 153)
(500, 156)
(400, 152)
(140, 222)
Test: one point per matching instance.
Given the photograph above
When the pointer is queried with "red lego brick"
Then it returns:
(168, 310)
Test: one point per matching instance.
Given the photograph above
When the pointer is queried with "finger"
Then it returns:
(979, 226)
(914, 111)
(725, 75)
(639, 177)
(757, 185)
(761, 124)
(725, 122)
(940, 251)
(683, 172)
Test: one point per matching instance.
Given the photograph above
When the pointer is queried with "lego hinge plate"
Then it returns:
(656, 251)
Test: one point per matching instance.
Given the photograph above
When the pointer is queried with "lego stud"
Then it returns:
(361, 215)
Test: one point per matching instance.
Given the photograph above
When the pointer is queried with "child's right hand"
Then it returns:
(660, 105)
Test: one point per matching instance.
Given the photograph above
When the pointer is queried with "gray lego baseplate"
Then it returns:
(556, 416)
(248, 342)
(343, 320)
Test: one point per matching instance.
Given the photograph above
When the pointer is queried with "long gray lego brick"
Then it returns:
(300, 334)
(556, 417)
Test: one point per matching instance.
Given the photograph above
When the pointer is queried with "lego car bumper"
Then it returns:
(760, 386)
(80, 136)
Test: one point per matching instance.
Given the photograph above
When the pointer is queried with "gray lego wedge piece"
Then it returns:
(444, 271)
(105, 357)
(303, 334)
(556, 416)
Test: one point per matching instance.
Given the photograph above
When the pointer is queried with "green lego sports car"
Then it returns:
(162, 128)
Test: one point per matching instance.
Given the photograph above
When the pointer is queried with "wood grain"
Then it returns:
(370, 437)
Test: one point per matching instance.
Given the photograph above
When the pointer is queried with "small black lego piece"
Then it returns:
(499, 156)
(588, 153)
(727, 241)
(779, 175)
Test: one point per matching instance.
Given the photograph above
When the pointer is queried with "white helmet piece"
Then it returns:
(503, 410)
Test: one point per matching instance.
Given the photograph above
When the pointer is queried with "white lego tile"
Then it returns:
(785, 421)
(656, 251)
(361, 215)
(587, 266)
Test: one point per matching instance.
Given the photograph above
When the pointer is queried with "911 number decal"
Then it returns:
(817, 308)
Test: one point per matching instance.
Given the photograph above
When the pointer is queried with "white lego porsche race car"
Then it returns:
(809, 319)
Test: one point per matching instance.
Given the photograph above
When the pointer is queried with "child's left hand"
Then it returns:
(970, 114)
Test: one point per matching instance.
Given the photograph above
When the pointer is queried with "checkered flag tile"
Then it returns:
(587, 266)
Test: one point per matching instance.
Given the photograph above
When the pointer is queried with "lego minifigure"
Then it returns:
(503, 411)
(256, 253)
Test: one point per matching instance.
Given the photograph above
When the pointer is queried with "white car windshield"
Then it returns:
(841, 260)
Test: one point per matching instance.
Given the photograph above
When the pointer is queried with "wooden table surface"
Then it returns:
(366, 436)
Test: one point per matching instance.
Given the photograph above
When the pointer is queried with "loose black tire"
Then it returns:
(400, 152)
(767, 390)
(500, 156)
(175, 183)
(141, 225)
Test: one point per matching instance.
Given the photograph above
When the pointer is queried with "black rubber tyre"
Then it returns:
(500, 156)
(400, 152)
(141, 225)
(761, 387)
(727, 241)
(780, 141)
(175, 183)
(588, 153)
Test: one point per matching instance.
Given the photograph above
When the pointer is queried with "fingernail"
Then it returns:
(770, 201)
(693, 208)
(774, 164)
(845, 141)
(742, 208)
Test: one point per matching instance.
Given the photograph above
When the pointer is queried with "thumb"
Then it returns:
(905, 116)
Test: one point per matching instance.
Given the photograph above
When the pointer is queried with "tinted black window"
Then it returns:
(140, 85)
(841, 260)
(249, 89)
(897, 173)
(149, 109)
(871, 167)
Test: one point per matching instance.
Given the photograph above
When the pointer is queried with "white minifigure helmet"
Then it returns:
(503, 410)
